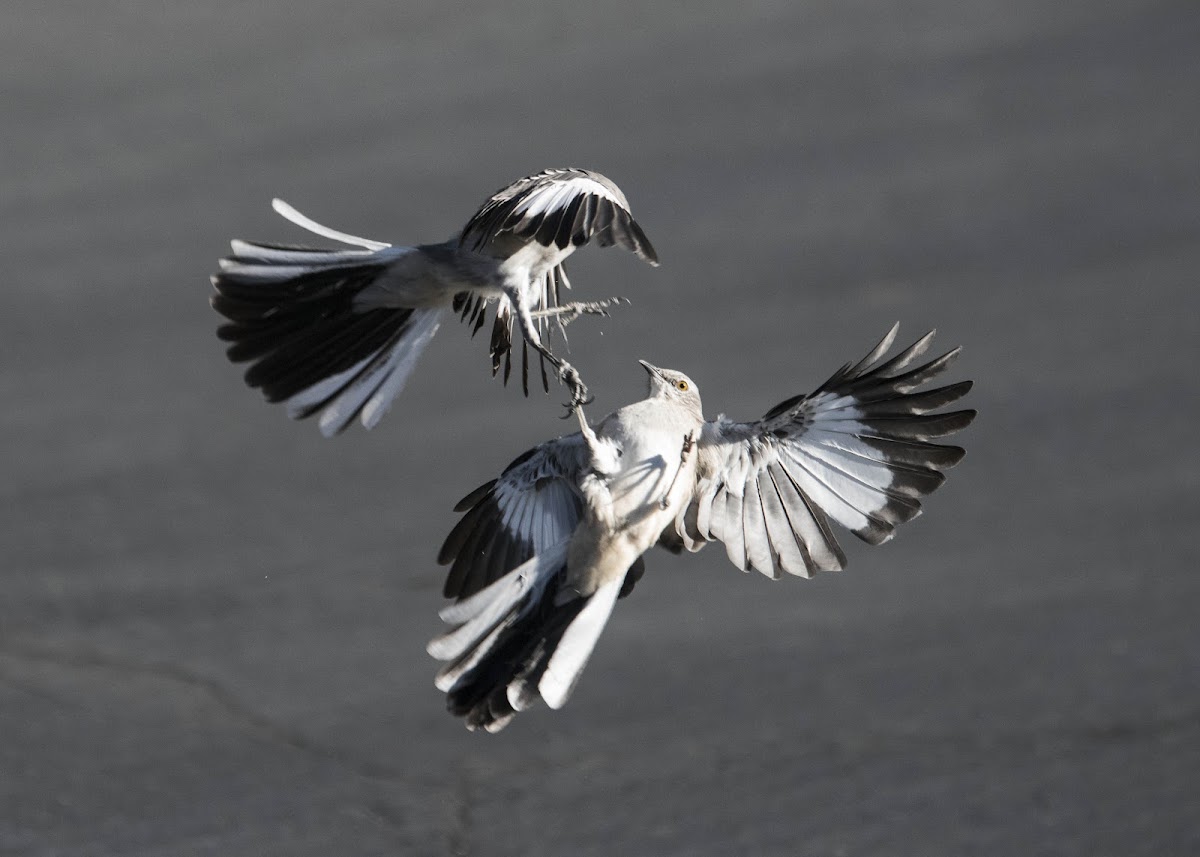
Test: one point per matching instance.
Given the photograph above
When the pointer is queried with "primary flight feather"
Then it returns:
(338, 332)
(542, 553)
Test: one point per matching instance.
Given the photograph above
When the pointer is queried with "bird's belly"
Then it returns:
(430, 276)
(641, 485)
(648, 470)
(630, 512)
(531, 262)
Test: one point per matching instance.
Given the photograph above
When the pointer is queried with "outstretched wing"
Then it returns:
(533, 506)
(560, 208)
(856, 451)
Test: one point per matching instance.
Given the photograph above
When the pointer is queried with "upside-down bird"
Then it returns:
(542, 554)
(338, 332)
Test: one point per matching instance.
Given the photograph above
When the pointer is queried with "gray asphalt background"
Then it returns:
(212, 621)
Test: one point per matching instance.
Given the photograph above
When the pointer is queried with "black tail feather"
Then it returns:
(522, 654)
(297, 331)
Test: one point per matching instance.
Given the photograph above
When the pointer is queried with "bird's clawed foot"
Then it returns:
(689, 444)
(569, 375)
(567, 313)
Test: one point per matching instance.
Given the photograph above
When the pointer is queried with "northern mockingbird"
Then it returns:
(541, 554)
(338, 332)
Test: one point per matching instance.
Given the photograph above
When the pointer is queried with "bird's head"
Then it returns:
(673, 386)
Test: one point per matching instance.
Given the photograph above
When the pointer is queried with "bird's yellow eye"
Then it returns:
(682, 385)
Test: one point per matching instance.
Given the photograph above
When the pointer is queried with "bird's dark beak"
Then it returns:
(652, 370)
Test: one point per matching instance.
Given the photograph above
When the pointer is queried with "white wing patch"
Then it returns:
(856, 452)
(533, 506)
(558, 194)
(540, 514)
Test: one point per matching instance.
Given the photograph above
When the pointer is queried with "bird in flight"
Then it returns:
(338, 332)
(542, 553)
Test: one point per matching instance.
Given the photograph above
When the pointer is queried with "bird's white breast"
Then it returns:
(532, 261)
(650, 435)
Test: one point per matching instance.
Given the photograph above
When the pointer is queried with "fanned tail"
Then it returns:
(519, 640)
(292, 316)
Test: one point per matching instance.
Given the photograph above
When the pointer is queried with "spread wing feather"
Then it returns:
(857, 451)
(533, 506)
(560, 208)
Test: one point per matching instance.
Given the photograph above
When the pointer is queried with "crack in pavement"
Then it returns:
(1114, 732)
(220, 695)
(1070, 736)
(232, 705)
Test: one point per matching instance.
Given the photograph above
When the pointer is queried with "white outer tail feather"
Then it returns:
(375, 391)
(289, 213)
(577, 644)
(484, 616)
(499, 604)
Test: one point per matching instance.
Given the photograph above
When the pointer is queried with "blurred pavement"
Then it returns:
(212, 621)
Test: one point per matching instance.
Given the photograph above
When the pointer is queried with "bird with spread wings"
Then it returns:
(338, 332)
(542, 553)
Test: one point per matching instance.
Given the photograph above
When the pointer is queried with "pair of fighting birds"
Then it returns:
(542, 553)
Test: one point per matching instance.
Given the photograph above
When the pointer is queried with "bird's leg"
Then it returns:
(567, 373)
(589, 436)
(689, 444)
(567, 313)
(604, 460)
(605, 456)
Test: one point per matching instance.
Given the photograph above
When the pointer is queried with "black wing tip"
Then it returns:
(446, 555)
(919, 427)
(953, 455)
(875, 534)
(875, 365)
(952, 423)
(954, 392)
(475, 496)
(644, 249)
(955, 421)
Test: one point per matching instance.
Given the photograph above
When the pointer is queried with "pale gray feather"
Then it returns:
(574, 516)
